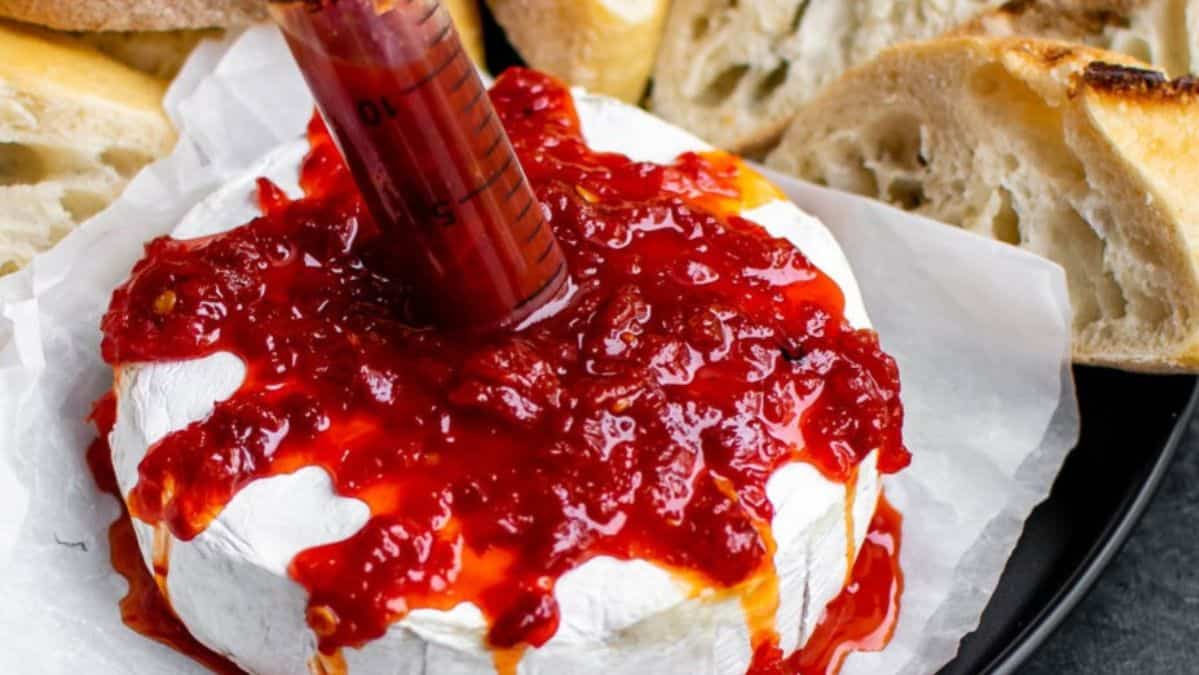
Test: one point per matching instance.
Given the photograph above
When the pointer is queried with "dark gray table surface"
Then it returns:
(1142, 617)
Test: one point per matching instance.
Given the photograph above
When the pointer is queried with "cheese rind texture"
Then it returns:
(230, 584)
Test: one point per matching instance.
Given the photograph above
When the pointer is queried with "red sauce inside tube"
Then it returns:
(643, 420)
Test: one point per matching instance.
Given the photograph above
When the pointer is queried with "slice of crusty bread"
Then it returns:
(607, 46)
(734, 72)
(162, 53)
(1040, 144)
(155, 36)
(105, 15)
(1164, 33)
(75, 126)
(158, 53)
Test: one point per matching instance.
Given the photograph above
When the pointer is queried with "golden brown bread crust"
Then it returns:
(104, 15)
(1053, 18)
(1094, 7)
(1138, 84)
(1096, 14)
(1162, 33)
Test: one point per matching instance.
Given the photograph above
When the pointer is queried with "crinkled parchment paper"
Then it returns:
(981, 332)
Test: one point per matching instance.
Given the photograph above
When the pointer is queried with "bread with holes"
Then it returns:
(606, 46)
(1164, 33)
(735, 72)
(140, 15)
(75, 126)
(1069, 152)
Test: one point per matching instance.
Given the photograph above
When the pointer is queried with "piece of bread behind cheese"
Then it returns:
(124, 15)
(156, 36)
(75, 126)
(1045, 145)
(607, 46)
(734, 72)
(1164, 33)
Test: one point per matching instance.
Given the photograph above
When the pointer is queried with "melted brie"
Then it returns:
(230, 584)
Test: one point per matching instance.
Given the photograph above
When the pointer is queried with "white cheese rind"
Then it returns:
(230, 584)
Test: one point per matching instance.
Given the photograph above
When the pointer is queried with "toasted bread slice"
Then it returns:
(1064, 150)
(97, 15)
(158, 53)
(1164, 33)
(75, 126)
(607, 46)
(156, 36)
(735, 72)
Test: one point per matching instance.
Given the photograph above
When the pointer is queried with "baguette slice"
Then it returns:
(162, 53)
(75, 126)
(1164, 33)
(734, 72)
(105, 15)
(158, 53)
(607, 46)
(1048, 146)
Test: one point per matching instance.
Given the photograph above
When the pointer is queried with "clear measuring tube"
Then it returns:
(412, 117)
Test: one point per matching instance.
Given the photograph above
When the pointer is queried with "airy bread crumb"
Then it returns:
(735, 72)
(1079, 155)
(75, 126)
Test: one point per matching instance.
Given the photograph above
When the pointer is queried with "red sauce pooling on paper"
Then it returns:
(697, 355)
(861, 618)
(143, 608)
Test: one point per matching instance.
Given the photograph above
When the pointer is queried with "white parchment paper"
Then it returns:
(981, 332)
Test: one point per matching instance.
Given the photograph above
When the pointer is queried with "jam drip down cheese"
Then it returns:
(696, 356)
(863, 615)
(143, 609)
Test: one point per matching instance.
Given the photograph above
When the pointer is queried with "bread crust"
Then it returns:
(1139, 85)
(1164, 33)
(140, 15)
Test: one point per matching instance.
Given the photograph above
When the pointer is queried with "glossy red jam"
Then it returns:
(861, 618)
(143, 608)
(697, 355)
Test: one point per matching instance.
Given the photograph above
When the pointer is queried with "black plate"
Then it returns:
(1131, 427)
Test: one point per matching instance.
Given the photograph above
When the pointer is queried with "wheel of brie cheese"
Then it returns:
(671, 474)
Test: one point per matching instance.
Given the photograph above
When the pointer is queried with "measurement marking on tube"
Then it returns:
(508, 163)
(427, 15)
(536, 230)
(553, 279)
(442, 35)
(435, 72)
(524, 211)
(474, 101)
(549, 248)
